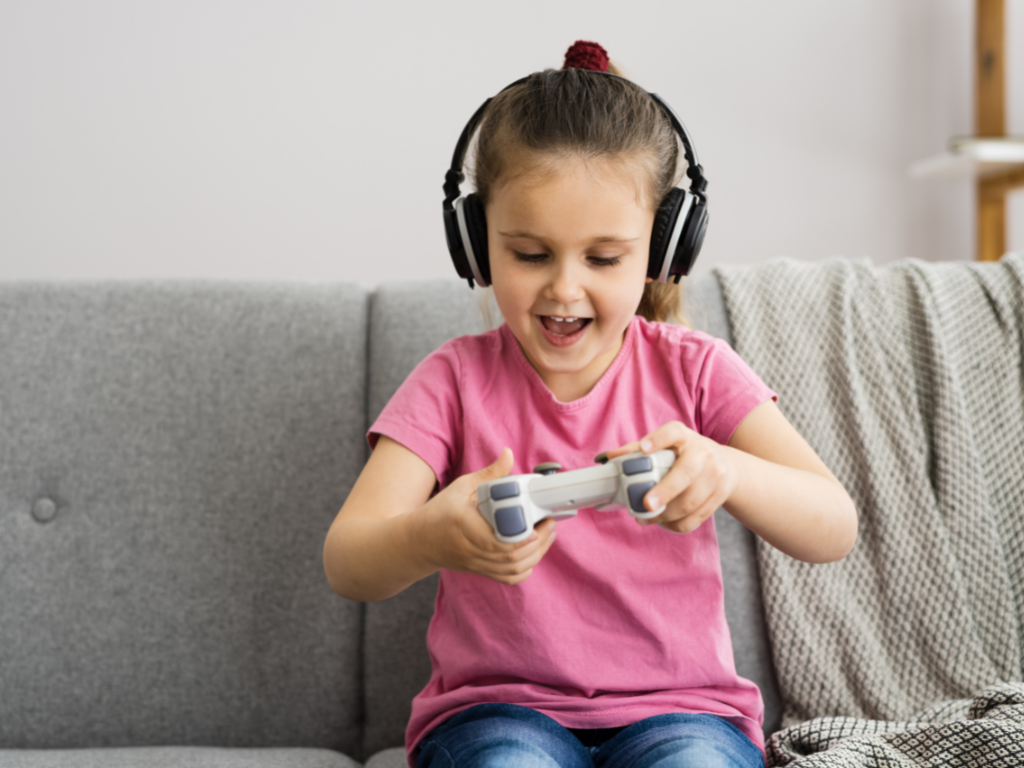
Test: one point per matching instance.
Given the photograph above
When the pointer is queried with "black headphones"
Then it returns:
(679, 224)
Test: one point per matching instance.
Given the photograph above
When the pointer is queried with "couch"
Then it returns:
(171, 457)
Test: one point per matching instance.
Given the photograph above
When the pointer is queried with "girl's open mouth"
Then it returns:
(563, 331)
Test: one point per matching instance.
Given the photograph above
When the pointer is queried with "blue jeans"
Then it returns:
(510, 736)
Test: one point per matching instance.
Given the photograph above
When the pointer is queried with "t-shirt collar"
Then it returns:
(606, 380)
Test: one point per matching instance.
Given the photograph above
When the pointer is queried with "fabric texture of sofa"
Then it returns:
(171, 457)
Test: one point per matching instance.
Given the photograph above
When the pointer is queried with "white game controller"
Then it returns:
(513, 505)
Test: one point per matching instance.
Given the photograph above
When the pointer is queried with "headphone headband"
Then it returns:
(694, 171)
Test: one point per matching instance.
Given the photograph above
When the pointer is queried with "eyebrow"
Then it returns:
(599, 239)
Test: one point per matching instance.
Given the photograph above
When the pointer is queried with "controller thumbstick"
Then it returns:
(547, 468)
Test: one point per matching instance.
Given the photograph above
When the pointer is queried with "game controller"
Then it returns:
(513, 505)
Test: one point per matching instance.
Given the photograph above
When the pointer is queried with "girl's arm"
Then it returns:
(390, 533)
(786, 494)
(768, 478)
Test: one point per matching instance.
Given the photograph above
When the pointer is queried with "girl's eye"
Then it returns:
(529, 258)
(597, 261)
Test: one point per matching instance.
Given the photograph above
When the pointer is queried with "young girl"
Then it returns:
(608, 644)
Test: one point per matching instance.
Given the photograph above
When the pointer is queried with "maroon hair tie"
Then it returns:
(584, 54)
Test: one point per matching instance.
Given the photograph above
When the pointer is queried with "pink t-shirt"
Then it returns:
(618, 622)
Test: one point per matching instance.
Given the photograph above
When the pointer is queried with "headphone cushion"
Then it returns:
(691, 239)
(455, 246)
(661, 234)
(476, 226)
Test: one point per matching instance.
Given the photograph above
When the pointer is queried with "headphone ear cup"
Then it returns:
(691, 239)
(476, 225)
(661, 234)
(456, 248)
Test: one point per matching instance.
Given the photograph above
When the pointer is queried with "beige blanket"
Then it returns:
(908, 380)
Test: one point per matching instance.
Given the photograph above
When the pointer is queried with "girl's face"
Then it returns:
(568, 244)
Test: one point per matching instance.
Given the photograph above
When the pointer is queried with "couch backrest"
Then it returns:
(171, 456)
(407, 321)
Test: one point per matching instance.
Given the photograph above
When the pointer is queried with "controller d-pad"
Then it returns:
(638, 465)
(510, 521)
(636, 495)
(504, 491)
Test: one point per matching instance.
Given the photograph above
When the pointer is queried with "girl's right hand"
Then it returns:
(459, 538)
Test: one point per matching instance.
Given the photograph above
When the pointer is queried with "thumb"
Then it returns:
(501, 467)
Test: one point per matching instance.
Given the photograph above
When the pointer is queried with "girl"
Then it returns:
(607, 645)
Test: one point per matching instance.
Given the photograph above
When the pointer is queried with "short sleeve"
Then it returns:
(727, 391)
(425, 414)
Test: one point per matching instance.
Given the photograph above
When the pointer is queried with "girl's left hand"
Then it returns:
(701, 480)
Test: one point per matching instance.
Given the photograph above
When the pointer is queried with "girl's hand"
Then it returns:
(459, 538)
(701, 480)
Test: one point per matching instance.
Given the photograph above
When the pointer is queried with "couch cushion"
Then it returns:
(171, 456)
(704, 308)
(394, 757)
(175, 757)
(408, 321)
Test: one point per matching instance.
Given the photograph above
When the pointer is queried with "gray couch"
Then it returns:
(171, 457)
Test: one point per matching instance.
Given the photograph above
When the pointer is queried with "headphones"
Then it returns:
(679, 223)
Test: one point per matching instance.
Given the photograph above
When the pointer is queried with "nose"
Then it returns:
(566, 284)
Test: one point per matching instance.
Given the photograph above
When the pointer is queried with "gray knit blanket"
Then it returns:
(908, 380)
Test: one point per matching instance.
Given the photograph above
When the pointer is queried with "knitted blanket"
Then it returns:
(908, 380)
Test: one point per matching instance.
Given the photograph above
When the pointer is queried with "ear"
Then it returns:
(648, 279)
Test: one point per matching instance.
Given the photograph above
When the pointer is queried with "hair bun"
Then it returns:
(584, 54)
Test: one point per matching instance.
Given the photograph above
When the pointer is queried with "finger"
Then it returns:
(695, 496)
(688, 468)
(547, 535)
(501, 467)
(487, 545)
(516, 566)
(677, 517)
(498, 552)
(693, 521)
(483, 539)
(623, 449)
(539, 540)
(511, 581)
(673, 435)
(533, 556)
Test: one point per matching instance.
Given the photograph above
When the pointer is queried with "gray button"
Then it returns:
(504, 491)
(637, 491)
(44, 510)
(638, 465)
(510, 521)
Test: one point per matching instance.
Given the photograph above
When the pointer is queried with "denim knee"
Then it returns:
(510, 736)
(680, 740)
(501, 736)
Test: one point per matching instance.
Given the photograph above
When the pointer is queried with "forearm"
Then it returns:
(806, 515)
(371, 559)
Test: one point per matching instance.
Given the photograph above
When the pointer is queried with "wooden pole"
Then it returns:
(990, 120)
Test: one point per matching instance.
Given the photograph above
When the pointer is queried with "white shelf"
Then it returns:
(971, 157)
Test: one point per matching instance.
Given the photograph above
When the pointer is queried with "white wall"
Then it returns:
(308, 140)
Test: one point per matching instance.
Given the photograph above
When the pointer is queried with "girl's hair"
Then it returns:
(580, 113)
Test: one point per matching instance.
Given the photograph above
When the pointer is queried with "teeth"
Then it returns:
(564, 319)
